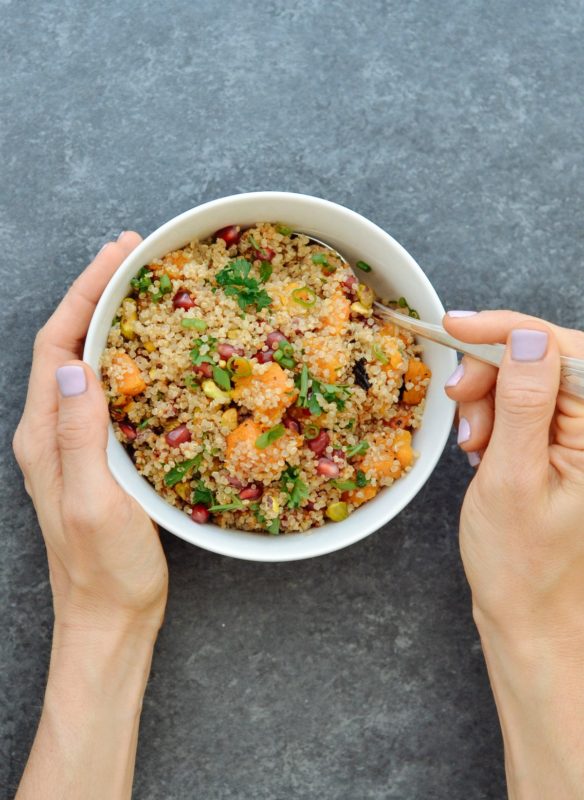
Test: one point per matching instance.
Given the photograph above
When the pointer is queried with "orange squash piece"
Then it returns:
(416, 372)
(131, 382)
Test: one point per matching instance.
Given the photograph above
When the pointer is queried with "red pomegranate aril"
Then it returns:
(128, 430)
(265, 254)
(200, 513)
(328, 468)
(274, 338)
(230, 235)
(350, 283)
(183, 299)
(320, 443)
(251, 493)
(291, 424)
(339, 453)
(235, 482)
(227, 350)
(178, 436)
(204, 369)
(263, 357)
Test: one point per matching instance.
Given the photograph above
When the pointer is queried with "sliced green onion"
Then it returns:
(285, 230)
(274, 526)
(310, 431)
(197, 324)
(239, 367)
(344, 486)
(402, 302)
(143, 424)
(379, 354)
(235, 505)
(268, 437)
(305, 296)
(320, 258)
(358, 449)
(165, 284)
(364, 266)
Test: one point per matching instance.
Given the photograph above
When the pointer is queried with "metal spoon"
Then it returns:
(571, 369)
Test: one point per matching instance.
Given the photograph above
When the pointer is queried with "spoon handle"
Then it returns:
(571, 370)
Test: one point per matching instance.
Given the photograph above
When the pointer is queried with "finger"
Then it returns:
(61, 338)
(82, 426)
(525, 402)
(495, 326)
(475, 424)
(471, 380)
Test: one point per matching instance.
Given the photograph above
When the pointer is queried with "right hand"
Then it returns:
(522, 522)
(106, 564)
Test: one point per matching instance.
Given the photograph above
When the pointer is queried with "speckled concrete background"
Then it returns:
(455, 126)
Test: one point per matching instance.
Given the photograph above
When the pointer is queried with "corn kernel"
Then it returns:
(233, 333)
(359, 308)
(184, 491)
(229, 419)
(149, 346)
(337, 512)
(365, 295)
(127, 329)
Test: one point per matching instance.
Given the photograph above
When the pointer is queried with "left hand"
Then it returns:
(106, 564)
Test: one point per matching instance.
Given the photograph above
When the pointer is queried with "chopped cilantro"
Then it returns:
(284, 355)
(235, 505)
(268, 437)
(294, 486)
(178, 472)
(196, 356)
(266, 270)
(358, 449)
(222, 378)
(143, 424)
(190, 381)
(344, 486)
(202, 494)
(142, 280)
(273, 526)
(236, 282)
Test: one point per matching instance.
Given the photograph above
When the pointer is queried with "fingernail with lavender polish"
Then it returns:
(463, 430)
(527, 345)
(457, 314)
(71, 380)
(474, 458)
(456, 377)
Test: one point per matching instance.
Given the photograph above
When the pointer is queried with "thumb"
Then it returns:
(527, 388)
(82, 429)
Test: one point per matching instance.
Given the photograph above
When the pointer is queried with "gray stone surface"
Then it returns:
(455, 126)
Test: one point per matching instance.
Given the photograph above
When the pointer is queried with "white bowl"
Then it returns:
(395, 274)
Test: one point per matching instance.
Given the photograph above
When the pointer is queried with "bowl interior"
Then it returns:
(394, 274)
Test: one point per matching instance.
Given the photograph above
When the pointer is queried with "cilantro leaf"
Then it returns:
(178, 472)
(236, 282)
(294, 487)
(357, 449)
(202, 494)
(268, 437)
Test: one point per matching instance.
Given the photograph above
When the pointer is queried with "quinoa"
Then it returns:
(252, 383)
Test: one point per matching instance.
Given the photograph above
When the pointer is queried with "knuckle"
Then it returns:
(41, 340)
(519, 399)
(72, 431)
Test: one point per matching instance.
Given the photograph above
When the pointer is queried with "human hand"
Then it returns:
(106, 563)
(522, 542)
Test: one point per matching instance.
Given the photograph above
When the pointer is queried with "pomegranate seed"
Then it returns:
(227, 350)
(183, 299)
(320, 443)
(230, 235)
(204, 369)
(265, 254)
(128, 430)
(274, 338)
(235, 482)
(350, 283)
(327, 467)
(178, 436)
(251, 493)
(200, 513)
(298, 412)
(309, 506)
(263, 357)
(339, 453)
(291, 424)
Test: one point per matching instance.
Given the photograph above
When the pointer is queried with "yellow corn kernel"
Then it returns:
(129, 406)
(337, 512)
(149, 347)
(127, 329)
(212, 391)
(272, 506)
(233, 333)
(229, 419)
(184, 491)
(152, 373)
(366, 295)
(359, 308)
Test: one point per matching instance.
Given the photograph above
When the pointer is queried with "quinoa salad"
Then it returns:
(253, 385)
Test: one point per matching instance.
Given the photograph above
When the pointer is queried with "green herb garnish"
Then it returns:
(202, 494)
(379, 354)
(235, 505)
(304, 296)
(320, 258)
(344, 486)
(222, 378)
(358, 449)
(196, 356)
(294, 487)
(364, 266)
(361, 479)
(403, 303)
(266, 270)
(178, 472)
(164, 288)
(142, 280)
(190, 381)
(284, 355)
(268, 437)
(274, 526)
(310, 389)
(285, 230)
(143, 424)
(197, 324)
(236, 282)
